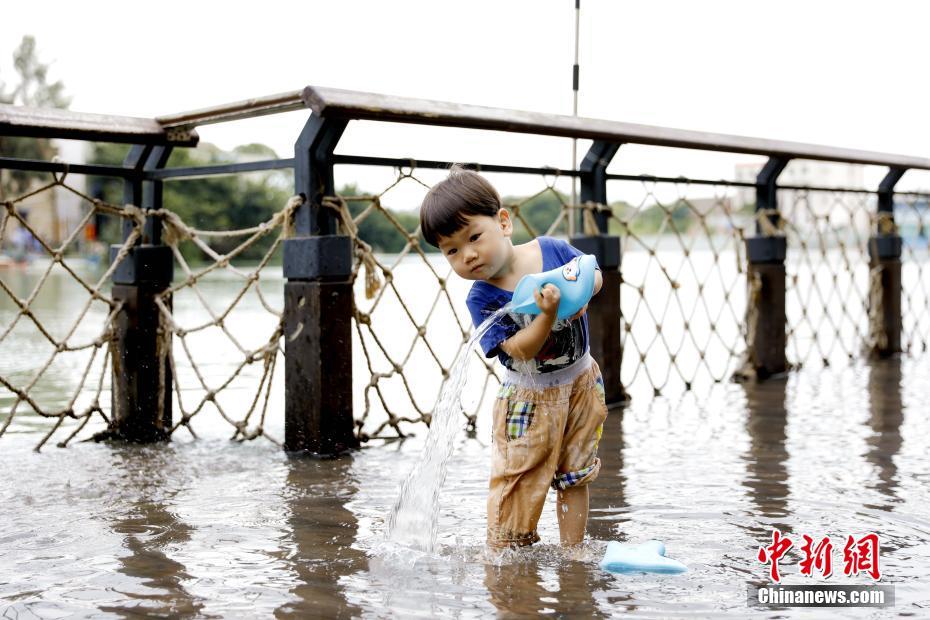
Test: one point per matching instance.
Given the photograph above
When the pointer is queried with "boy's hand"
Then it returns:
(548, 299)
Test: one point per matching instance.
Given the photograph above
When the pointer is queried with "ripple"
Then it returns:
(215, 528)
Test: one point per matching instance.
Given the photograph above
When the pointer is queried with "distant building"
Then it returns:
(54, 214)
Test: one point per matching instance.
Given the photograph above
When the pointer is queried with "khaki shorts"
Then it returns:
(541, 438)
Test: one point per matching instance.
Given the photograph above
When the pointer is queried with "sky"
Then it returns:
(847, 74)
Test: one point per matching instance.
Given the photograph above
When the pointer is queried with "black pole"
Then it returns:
(885, 249)
(604, 317)
(141, 393)
(318, 304)
(766, 253)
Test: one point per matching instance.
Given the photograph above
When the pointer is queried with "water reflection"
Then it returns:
(766, 459)
(525, 588)
(151, 531)
(320, 544)
(886, 413)
(608, 505)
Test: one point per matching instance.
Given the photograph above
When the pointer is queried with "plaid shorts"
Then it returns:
(542, 438)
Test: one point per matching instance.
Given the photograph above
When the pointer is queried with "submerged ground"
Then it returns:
(210, 528)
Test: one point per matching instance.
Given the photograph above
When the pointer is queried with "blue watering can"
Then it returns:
(575, 280)
(648, 557)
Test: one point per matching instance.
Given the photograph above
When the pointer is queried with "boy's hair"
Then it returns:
(448, 204)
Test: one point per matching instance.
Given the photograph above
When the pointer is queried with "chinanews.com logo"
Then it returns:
(860, 558)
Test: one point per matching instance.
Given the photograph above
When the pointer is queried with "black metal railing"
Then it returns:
(319, 257)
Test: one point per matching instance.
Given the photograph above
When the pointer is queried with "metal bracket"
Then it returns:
(146, 194)
(144, 264)
(313, 174)
(763, 249)
(181, 134)
(135, 159)
(884, 246)
(593, 171)
(326, 257)
(767, 188)
(152, 194)
(886, 189)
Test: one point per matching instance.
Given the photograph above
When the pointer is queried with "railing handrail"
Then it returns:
(332, 102)
(237, 110)
(358, 105)
(56, 123)
(178, 129)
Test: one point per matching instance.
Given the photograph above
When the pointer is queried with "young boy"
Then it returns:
(550, 409)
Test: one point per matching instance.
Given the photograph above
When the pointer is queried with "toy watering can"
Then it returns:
(575, 280)
(648, 557)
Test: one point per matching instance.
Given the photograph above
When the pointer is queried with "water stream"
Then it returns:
(415, 516)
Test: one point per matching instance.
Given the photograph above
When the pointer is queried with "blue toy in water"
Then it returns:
(575, 280)
(648, 557)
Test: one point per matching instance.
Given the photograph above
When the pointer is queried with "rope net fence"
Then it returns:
(218, 361)
(683, 292)
(684, 307)
(912, 218)
(828, 278)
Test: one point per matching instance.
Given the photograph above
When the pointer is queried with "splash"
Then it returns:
(414, 521)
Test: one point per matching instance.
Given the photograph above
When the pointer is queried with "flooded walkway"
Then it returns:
(210, 528)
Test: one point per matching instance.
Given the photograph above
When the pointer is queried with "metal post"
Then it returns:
(885, 255)
(318, 303)
(141, 394)
(766, 253)
(604, 311)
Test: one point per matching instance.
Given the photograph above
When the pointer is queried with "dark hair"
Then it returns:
(448, 204)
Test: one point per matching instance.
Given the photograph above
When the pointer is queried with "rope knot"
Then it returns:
(288, 230)
(64, 174)
(134, 213)
(174, 231)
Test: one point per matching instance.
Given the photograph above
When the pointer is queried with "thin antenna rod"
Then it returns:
(571, 219)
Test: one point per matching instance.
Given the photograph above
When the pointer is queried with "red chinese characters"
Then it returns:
(859, 555)
(818, 557)
(773, 553)
(862, 556)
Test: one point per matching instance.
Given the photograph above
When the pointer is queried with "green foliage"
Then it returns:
(32, 89)
(652, 220)
(214, 203)
(539, 211)
(376, 229)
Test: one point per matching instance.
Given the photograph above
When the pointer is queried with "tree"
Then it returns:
(376, 229)
(539, 211)
(33, 89)
(213, 203)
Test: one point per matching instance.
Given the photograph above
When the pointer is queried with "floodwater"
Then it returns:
(213, 528)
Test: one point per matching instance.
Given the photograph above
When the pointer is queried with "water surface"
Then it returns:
(213, 528)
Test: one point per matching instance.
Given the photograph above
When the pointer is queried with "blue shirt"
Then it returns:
(568, 340)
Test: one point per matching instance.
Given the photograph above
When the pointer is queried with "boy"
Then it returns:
(550, 409)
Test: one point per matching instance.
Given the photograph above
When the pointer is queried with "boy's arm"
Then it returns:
(527, 342)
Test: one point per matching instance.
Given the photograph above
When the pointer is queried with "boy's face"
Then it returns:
(480, 249)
